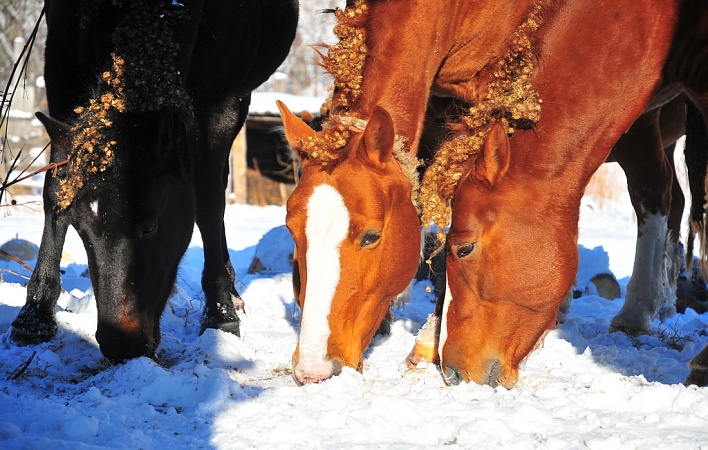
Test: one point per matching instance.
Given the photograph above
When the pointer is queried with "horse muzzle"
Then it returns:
(311, 371)
(491, 376)
(118, 345)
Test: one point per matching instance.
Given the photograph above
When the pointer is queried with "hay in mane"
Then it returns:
(510, 98)
(143, 77)
(345, 61)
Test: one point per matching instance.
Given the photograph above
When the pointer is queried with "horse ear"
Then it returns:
(493, 163)
(296, 131)
(307, 117)
(59, 134)
(379, 137)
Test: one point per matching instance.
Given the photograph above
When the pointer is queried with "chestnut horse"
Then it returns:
(516, 205)
(646, 154)
(519, 195)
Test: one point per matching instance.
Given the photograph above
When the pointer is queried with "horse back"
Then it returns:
(240, 60)
(223, 45)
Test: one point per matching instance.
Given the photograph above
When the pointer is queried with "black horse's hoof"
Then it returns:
(32, 327)
(221, 317)
(232, 327)
(698, 377)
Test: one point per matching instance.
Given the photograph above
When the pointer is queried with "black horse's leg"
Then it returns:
(219, 124)
(36, 321)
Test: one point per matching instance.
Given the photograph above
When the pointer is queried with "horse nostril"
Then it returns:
(309, 371)
(451, 375)
(336, 367)
(494, 373)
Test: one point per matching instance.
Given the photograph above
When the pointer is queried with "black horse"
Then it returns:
(145, 99)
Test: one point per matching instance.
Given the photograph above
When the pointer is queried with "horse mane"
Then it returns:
(510, 99)
(143, 77)
(344, 61)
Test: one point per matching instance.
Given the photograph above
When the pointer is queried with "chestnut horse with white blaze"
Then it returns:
(353, 255)
(522, 167)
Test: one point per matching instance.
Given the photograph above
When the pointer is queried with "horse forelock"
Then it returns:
(510, 98)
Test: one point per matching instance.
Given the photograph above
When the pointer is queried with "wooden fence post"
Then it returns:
(237, 192)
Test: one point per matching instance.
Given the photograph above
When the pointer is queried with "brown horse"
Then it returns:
(645, 153)
(518, 195)
(519, 206)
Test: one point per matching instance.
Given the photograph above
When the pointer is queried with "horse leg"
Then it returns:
(672, 122)
(428, 337)
(696, 153)
(36, 321)
(678, 202)
(649, 178)
(697, 144)
(221, 124)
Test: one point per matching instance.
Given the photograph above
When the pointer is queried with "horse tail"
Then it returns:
(696, 154)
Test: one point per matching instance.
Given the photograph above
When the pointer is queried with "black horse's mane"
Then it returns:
(144, 34)
(139, 94)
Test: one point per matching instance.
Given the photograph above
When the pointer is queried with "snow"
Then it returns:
(581, 388)
(263, 103)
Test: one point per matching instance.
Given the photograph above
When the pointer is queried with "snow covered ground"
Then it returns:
(583, 388)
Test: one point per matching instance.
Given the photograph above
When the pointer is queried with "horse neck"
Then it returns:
(408, 43)
(591, 93)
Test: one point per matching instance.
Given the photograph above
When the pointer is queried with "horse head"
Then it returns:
(357, 242)
(502, 291)
(135, 217)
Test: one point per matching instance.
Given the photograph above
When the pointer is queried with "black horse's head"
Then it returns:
(135, 213)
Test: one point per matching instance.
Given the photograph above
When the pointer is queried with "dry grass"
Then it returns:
(608, 184)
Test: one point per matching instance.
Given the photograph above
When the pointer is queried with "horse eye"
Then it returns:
(370, 238)
(465, 249)
(148, 230)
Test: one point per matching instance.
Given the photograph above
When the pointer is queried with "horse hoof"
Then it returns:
(699, 369)
(426, 343)
(422, 351)
(31, 327)
(698, 377)
(33, 334)
(630, 329)
(232, 327)
(239, 304)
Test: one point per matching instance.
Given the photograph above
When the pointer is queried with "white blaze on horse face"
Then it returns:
(326, 227)
(94, 207)
(443, 323)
